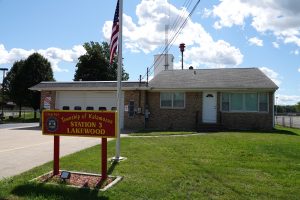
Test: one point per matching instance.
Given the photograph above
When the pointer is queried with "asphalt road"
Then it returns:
(22, 147)
(16, 125)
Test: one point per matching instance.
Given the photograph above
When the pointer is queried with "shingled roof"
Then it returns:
(87, 85)
(225, 78)
(195, 79)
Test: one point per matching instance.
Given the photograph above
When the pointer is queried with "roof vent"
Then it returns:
(191, 67)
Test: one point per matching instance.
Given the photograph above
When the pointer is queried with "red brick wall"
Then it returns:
(175, 119)
(137, 121)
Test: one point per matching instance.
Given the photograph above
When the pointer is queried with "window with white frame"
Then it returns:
(245, 102)
(172, 100)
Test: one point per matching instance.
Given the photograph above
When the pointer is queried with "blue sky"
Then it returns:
(227, 33)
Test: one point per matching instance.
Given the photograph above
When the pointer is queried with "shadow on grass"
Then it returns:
(286, 132)
(274, 131)
(112, 167)
(162, 133)
(34, 190)
(109, 172)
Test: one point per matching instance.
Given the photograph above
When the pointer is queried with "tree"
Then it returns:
(298, 106)
(94, 65)
(36, 69)
(25, 74)
(285, 109)
(13, 85)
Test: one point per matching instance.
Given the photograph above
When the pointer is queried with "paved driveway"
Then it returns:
(22, 148)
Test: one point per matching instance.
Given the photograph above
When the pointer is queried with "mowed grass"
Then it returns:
(159, 133)
(26, 117)
(212, 166)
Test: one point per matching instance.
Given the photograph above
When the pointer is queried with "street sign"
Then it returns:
(79, 123)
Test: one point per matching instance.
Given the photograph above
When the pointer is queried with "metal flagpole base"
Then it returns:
(117, 159)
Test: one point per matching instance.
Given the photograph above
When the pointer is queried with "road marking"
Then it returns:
(24, 147)
(66, 140)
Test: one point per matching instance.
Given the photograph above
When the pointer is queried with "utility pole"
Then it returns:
(2, 102)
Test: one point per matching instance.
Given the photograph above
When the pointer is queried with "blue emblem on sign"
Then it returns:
(52, 124)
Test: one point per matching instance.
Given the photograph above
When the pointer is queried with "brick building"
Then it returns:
(236, 98)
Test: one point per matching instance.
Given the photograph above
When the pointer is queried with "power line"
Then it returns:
(174, 25)
(167, 47)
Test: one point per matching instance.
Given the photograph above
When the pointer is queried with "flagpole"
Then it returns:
(119, 79)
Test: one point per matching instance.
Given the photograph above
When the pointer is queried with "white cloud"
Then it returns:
(256, 41)
(13, 55)
(274, 76)
(276, 16)
(275, 45)
(217, 54)
(299, 70)
(295, 52)
(53, 54)
(287, 99)
(147, 34)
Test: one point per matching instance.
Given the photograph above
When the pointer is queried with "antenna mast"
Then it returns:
(166, 46)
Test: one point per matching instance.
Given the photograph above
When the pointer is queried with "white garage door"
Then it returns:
(84, 99)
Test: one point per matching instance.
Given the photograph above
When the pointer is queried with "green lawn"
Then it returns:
(26, 117)
(212, 166)
(159, 133)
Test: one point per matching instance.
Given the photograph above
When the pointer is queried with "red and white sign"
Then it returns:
(47, 102)
(79, 123)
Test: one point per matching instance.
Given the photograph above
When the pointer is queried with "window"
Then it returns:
(178, 100)
(245, 102)
(263, 102)
(102, 108)
(166, 99)
(251, 102)
(172, 100)
(113, 108)
(236, 102)
(66, 108)
(77, 108)
(131, 108)
(225, 102)
(89, 108)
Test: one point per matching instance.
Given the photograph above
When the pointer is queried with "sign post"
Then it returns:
(104, 158)
(101, 124)
(56, 156)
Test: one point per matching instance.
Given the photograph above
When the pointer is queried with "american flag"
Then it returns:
(114, 34)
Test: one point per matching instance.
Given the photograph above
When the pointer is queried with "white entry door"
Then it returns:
(209, 113)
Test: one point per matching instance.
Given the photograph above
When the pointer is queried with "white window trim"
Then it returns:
(172, 107)
(244, 111)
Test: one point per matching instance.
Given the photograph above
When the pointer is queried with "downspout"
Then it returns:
(146, 110)
(273, 110)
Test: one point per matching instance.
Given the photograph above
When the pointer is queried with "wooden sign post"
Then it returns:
(101, 124)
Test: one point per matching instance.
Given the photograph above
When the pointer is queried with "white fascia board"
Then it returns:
(212, 89)
(87, 89)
